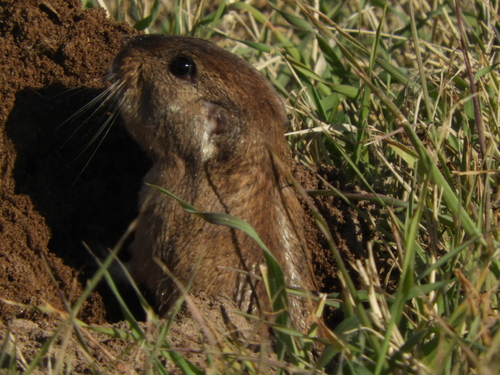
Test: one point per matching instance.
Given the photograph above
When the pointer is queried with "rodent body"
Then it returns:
(210, 122)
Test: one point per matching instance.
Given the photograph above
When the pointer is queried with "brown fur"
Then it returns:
(210, 138)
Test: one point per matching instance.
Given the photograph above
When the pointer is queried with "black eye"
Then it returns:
(183, 67)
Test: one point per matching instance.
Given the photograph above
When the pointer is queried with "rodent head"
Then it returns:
(186, 97)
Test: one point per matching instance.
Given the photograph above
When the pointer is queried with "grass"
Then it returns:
(403, 97)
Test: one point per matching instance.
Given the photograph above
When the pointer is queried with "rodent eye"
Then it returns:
(183, 67)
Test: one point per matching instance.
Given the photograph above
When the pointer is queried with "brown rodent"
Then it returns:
(210, 122)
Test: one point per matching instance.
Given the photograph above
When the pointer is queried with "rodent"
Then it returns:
(210, 122)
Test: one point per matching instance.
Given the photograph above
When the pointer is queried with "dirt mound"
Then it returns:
(55, 56)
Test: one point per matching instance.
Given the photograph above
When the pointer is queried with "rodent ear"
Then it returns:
(217, 119)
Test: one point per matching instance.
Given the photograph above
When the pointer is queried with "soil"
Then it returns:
(59, 186)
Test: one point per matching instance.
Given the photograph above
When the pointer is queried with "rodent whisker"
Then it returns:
(105, 128)
(98, 102)
(106, 101)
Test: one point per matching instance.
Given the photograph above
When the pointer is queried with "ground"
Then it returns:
(59, 188)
